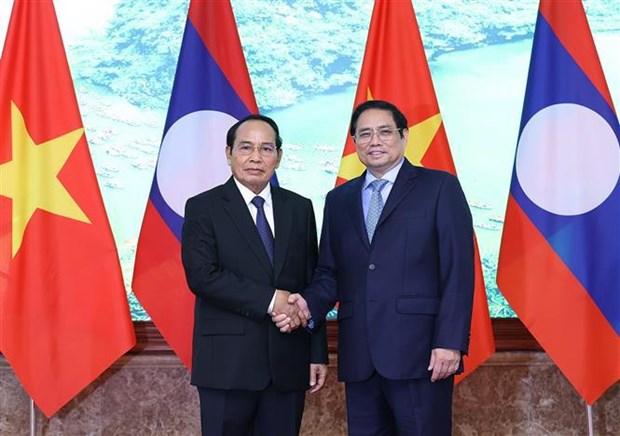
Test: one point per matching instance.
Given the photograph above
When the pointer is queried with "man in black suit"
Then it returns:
(250, 377)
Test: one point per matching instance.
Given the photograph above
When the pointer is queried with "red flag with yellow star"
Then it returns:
(395, 70)
(64, 316)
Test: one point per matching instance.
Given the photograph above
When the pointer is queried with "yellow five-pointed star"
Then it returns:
(31, 178)
(420, 137)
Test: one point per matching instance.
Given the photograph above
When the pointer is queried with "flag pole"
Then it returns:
(590, 420)
(33, 419)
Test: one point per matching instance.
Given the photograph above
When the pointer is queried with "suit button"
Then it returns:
(371, 267)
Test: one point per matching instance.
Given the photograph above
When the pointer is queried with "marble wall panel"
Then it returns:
(514, 393)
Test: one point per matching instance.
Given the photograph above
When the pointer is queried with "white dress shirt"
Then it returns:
(390, 176)
(248, 196)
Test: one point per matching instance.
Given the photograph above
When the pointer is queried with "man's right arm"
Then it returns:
(283, 308)
(321, 296)
(209, 280)
(285, 321)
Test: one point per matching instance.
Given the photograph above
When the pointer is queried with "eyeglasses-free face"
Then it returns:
(254, 157)
(379, 143)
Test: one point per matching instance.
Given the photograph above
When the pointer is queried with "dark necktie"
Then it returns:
(375, 207)
(263, 226)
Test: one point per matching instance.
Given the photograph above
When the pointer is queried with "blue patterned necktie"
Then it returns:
(375, 207)
(263, 226)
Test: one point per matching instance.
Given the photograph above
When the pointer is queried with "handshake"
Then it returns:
(289, 311)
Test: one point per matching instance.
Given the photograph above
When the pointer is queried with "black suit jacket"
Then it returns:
(235, 344)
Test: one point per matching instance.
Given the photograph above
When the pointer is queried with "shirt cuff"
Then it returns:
(272, 303)
(310, 326)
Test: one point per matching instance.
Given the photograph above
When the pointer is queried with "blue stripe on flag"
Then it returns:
(589, 244)
(199, 84)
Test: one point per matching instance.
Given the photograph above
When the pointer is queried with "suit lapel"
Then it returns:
(237, 210)
(354, 206)
(283, 222)
(405, 181)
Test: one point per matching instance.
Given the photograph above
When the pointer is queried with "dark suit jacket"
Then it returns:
(236, 345)
(409, 291)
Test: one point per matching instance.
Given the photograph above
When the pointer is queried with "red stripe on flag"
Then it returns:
(570, 25)
(213, 32)
(556, 308)
(483, 343)
(159, 283)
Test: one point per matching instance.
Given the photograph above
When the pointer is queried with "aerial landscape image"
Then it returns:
(304, 60)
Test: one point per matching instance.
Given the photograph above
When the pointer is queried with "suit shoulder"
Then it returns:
(345, 188)
(440, 176)
(431, 172)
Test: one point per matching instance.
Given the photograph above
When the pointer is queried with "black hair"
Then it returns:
(399, 118)
(232, 132)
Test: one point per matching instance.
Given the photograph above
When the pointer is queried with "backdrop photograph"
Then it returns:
(304, 60)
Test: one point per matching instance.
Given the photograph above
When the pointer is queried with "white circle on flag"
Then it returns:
(568, 159)
(192, 157)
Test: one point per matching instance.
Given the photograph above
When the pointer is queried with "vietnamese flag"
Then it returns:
(395, 70)
(560, 254)
(64, 316)
(211, 92)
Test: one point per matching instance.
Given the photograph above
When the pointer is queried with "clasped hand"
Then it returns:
(289, 311)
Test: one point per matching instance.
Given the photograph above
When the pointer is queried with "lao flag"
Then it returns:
(560, 254)
(212, 90)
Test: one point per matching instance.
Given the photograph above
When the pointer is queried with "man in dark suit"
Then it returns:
(251, 378)
(404, 276)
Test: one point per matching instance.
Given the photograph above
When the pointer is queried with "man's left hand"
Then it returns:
(318, 374)
(444, 362)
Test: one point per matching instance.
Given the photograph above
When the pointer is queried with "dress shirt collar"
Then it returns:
(390, 176)
(248, 195)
